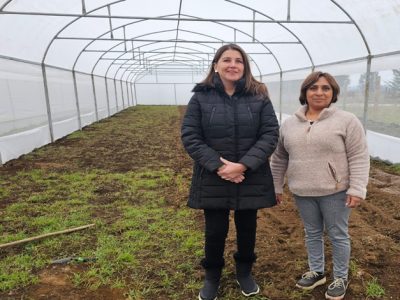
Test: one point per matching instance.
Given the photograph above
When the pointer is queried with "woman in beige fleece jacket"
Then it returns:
(323, 152)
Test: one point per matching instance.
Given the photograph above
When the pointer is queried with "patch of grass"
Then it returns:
(138, 248)
(374, 289)
(353, 267)
(299, 294)
(16, 271)
(127, 248)
(386, 166)
(127, 178)
(79, 134)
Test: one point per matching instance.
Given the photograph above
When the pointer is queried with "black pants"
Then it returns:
(216, 231)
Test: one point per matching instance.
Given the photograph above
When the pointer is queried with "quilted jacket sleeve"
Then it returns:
(193, 138)
(268, 134)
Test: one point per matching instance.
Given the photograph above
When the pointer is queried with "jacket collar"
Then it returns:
(325, 113)
(219, 86)
(239, 85)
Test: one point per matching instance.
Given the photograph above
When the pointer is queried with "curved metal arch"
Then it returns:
(111, 64)
(154, 32)
(355, 24)
(133, 73)
(73, 21)
(5, 4)
(208, 66)
(166, 31)
(143, 71)
(180, 47)
(131, 65)
(156, 63)
(280, 24)
(193, 54)
(245, 33)
(116, 28)
(46, 91)
(165, 55)
(270, 52)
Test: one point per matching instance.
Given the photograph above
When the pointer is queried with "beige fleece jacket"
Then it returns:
(329, 156)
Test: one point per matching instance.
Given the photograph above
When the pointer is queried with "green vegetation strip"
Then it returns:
(139, 241)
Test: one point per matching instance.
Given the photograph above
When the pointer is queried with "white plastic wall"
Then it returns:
(23, 115)
(101, 97)
(24, 118)
(62, 102)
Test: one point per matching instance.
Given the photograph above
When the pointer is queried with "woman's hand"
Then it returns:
(279, 198)
(231, 171)
(353, 201)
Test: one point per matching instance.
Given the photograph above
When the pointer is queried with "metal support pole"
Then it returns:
(136, 100)
(110, 21)
(108, 97)
(366, 92)
(133, 100)
(83, 7)
(254, 26)
(116, 96)
(176, 100)
(127, 92)
(95, 99)
(125, 41)
(122, 95)
(280, 96)
(46, 94)
(78, 110)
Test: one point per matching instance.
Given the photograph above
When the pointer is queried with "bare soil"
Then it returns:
(374, 227)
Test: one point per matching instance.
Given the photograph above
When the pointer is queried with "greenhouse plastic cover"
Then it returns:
(66, 64)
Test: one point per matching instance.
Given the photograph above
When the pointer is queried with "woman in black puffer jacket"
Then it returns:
(230, 129)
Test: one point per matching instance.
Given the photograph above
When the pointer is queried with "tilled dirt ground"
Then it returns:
(374, 227)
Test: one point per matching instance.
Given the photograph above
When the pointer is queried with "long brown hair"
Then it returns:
(251, 85)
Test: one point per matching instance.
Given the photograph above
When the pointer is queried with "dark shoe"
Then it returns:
(337, 289)
(310, 280)
(245, 280)
(211, 283)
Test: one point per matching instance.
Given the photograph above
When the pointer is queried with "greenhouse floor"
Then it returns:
(130, 176)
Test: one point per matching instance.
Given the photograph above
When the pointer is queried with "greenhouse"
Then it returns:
(67, 64)
(95, 170)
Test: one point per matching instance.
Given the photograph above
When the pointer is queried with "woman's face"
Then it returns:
(230, 67)
(320, 94)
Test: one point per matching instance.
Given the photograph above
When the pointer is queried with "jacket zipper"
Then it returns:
(250, 115)
(308, 131)
(236, 148)
(212, 115)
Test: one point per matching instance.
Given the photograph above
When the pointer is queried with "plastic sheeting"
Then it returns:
(66, 64)
(81, 34)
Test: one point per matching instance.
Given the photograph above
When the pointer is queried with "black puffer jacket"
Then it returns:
(240, 128)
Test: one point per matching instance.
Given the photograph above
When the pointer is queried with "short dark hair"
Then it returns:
(313, 78)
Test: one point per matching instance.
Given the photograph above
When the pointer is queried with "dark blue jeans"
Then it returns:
(216, 231)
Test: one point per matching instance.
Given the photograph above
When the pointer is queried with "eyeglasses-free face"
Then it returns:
(230, 67)
(319, 95)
